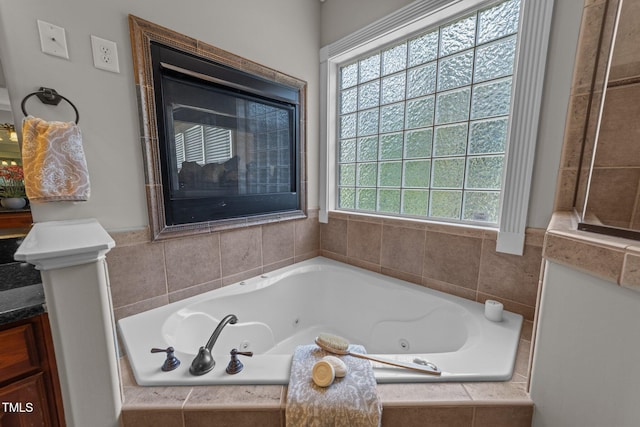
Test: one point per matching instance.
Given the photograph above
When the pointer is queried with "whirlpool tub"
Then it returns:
(289, 307)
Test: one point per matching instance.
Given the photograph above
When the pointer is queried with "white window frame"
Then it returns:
(528, 80)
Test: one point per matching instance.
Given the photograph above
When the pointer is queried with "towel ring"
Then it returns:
(50, 97)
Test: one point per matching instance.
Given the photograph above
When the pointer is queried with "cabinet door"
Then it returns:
(24, 403)
(19, 352)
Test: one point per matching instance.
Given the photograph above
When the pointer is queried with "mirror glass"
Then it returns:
(15, 215)
(608, 193)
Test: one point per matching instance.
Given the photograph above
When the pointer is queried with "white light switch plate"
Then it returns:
(105, 54)
(52, 39)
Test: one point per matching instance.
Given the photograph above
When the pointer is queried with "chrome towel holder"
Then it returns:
(50, 97)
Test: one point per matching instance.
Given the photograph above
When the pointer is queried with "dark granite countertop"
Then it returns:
(21, 303)
(21, 293)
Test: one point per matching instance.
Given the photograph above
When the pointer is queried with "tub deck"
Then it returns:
(468, 404)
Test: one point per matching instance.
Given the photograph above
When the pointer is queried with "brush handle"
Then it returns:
(412, 366)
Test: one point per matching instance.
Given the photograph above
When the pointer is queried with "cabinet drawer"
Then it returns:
(19, 353)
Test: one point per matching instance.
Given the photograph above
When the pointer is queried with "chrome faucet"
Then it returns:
(204, 362)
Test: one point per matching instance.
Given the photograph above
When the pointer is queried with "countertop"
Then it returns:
(21, 303)
(21, 293)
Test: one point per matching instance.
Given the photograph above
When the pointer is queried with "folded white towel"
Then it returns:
(54, 164)
(351, 401)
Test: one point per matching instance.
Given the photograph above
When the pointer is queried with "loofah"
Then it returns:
(339, 366)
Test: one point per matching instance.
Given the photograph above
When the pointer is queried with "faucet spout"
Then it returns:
(204, 362)
(230, 318)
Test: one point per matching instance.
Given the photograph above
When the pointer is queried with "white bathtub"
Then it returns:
(289, 307)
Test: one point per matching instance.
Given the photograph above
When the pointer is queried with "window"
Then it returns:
(423, 123)
(434, 117)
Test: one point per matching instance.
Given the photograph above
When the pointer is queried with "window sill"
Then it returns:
(426, 224)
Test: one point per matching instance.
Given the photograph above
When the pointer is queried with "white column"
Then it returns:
(71, 258)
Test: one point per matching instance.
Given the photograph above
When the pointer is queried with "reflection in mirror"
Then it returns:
(610, 175)
(15, 215)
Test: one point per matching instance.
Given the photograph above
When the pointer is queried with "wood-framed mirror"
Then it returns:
(223, 137)
(14, 220)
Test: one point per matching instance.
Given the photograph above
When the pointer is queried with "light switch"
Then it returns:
(53, 40)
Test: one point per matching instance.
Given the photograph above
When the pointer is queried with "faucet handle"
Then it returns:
(171, 362)
(235, 365)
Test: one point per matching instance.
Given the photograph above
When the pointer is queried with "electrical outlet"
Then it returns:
(105, 54)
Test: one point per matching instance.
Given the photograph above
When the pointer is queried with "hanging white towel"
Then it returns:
(55, 168)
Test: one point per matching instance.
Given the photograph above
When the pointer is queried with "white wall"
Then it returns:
(340, 18)
(282, 34)
(585, 368)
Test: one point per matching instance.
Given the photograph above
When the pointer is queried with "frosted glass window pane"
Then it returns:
(498, 21)
(347, 174)
(484, 172)
(417, 143)
(458, 36)
(393, 88)
(445, 204)
(366, 199)
(367, 148)
(495, 60)
(394, 59)
(455, 71)
(347, 150)
(369, 68)
(348, 76)
(348, 126)
(349, 101)
(423, 48)
(450, 140)
(420, 112)
(390, 174)
(391, 146)
(415, 202)
(417, 173)
(421, 81)
(367, 174)
(369, 95)
(491, 99)
(488, 136)
(448, 173)
(346, 198)
(392, 117)
(481, 206)
(389, 201)
(453, 106)
(368, 122)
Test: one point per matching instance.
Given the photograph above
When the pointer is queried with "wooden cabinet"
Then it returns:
(29, 386)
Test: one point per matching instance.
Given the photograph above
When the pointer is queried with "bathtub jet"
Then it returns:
(291, 306)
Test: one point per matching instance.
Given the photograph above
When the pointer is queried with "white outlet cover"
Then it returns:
(105, 54)
(53, 40)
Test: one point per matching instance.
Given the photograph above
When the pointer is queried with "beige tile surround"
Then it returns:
(145, 274)
(614, 259)
(461, 261)
(482, 404)
(458, 260)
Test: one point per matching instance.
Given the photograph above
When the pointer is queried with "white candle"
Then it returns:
(493, 310)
